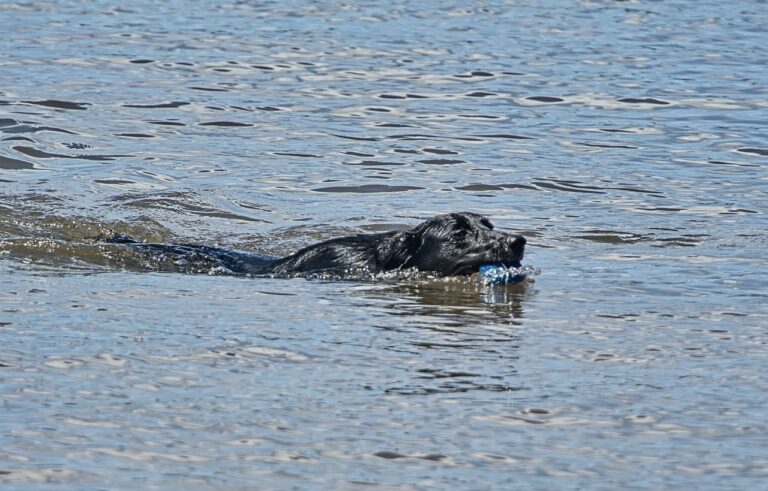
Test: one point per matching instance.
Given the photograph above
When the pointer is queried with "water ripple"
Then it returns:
(625, 140)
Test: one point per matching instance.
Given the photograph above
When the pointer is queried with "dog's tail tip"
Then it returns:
(120, 238)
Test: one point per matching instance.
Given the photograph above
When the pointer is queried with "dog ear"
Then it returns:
(461, 220)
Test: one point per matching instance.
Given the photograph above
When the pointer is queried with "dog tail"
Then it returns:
(120, 238)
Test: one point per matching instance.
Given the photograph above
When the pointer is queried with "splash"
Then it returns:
(410, 275)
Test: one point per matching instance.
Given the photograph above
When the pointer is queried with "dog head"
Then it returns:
(454, 244)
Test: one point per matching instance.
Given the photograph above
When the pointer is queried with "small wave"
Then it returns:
(162, 105)
(78, 106)
(545, 99)
(40, 154)
(367, 188)
(755, 151)
(475, 73)
(233, 124)
(9, 163)
(442, 161)
(645, 100)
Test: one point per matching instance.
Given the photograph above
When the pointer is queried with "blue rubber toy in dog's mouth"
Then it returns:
(501, 274)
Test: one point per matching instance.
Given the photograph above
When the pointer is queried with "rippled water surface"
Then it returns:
(626, 140)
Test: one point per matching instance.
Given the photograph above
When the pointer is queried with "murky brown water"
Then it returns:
(626, 140)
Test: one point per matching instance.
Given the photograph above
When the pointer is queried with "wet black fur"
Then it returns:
(453, 244)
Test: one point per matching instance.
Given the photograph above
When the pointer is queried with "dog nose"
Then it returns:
(516, 241)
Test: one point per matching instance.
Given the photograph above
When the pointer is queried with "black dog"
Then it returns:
(454, 244)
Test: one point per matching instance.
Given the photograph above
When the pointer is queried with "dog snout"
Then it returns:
(516, 242)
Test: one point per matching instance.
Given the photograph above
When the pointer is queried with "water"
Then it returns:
(626, 140)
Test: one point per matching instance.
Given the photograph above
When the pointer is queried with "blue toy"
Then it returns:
(500, 274)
